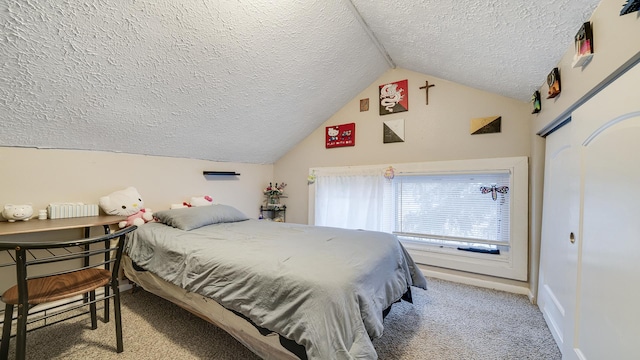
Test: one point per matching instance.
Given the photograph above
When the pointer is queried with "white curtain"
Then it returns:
(350, 198)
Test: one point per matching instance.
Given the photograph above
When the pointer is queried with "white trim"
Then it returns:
(515, 289)
(512, 266)
(609, 124)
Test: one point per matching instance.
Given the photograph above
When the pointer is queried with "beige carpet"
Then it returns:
(448, 321)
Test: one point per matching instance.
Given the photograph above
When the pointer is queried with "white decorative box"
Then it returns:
(71, 210)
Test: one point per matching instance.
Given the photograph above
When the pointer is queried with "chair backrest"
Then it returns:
(39, 281)
(76, 268)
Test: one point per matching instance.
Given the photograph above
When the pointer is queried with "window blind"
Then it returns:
(470, 208)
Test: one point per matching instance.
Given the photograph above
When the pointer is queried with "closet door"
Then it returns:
(607, 134)
(556, 285)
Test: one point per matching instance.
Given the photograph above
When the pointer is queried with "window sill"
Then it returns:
(451, 258)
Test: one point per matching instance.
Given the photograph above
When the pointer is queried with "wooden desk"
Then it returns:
(36, 225)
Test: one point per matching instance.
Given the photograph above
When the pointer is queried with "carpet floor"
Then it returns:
(447, 321)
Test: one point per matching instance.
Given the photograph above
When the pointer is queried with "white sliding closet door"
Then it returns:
(556, 289)
(606, 132)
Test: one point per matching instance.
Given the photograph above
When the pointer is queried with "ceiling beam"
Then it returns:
(372, 36)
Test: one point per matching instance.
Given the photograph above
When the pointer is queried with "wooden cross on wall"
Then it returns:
(426, 87)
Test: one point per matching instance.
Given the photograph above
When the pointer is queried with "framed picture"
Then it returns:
(394, 97)
(630, 6)
(535, 99)
(553, 80)
(584, 45)
(486, 125)
(340, 135)
(393, 131)
(364, 104)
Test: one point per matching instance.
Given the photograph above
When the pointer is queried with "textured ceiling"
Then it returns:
(502, 46)
(244, 81)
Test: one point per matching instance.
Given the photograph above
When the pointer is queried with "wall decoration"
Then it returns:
(535, 99)
(389, 173)
(584, 46)
(494, 190)
(311, 179)
(273, 193)
(426, 88)
(393, 131)
(394, 97)
(340, 135)
(553, 80)
(630, 6)
(486, 125)
(364, 104)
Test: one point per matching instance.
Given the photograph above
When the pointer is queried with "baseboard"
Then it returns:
(475, 281)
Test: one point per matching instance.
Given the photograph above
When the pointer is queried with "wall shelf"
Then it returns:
(220, 173)
(275, 213)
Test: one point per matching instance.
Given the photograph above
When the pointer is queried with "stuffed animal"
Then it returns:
(141, 217)
(205, 200)
(180, 206)
(127, 202)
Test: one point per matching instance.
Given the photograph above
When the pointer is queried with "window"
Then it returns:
(469, 215)
(349, 199)
(457, 210)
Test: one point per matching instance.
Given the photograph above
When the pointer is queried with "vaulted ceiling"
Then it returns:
(244, 81)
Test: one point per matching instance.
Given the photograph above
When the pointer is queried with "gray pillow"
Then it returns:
(195, 217)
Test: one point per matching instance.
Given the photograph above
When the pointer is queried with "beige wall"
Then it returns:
(40, 177)
(44, 176)
(438, 131)
(615, 40)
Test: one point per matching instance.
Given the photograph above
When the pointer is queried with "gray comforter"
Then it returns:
(324, 288)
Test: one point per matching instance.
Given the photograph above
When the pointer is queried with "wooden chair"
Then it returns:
(71, 283)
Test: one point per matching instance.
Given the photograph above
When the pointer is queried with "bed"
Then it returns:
(286, 291)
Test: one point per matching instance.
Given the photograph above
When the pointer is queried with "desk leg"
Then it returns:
(107, 244)
(87, 233)
(23, 303)
(6, 331)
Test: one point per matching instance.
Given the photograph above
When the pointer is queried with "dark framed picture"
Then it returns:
(394, 97)
(486, 125)
(340, 135)
(630, 6)
(393, 131)
(584, 45)
(535, 99)
(553, 80)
